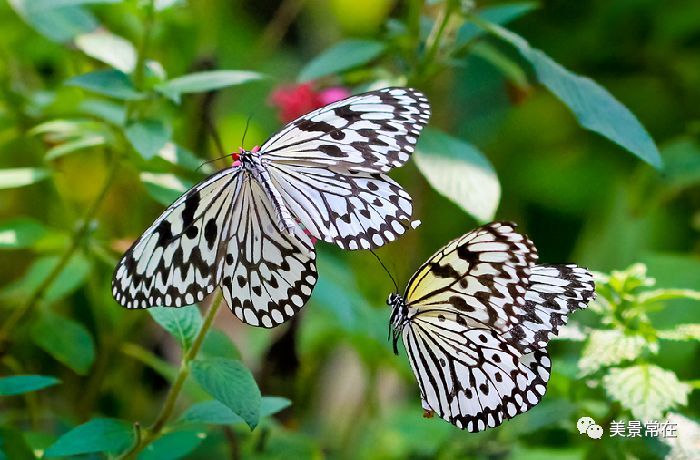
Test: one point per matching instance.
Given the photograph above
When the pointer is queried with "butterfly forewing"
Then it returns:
(179, 259)
(482, 275)
(370, 132)
(269, 273)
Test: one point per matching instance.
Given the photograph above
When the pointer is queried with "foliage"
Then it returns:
(109, 108)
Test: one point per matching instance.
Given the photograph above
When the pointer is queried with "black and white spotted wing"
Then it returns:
(220, 233)
(179, 259)
(475, 320)
(268, 274)
(245, 228)
(370, 132)
(470, 377)
(329, 165)
(482, 275)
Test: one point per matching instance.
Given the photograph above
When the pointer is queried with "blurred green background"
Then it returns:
(119, 145)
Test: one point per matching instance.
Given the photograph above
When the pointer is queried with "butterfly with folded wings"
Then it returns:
(475, 320)
(249, 228)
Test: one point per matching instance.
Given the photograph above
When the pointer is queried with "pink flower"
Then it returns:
(294, 101)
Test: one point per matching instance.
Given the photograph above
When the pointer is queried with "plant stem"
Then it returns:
(433, 43)
(140, 68)
(18, 314)
(153, 432)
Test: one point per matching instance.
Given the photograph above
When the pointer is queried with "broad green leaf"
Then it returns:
(609, 347)
(340, 57)
(64, 339)
(175, 444)
(59, 24)
(682, 163)
(594, 107)
(460, 172)
(71, 278)
(497, 14)
(113, 83)
(681, 332)
(108, 111)
(216, 413)
(19, 177)
(13, 446)
(108, 48)
(647, 391)
(217, 344)
(20, 233)
(180, 156)
(97, 435)
(201, 82)
(231, 383)
(147, 137)
(509, 68)
(183, 323)
(164, 188)
(18, 384)
(74, 146)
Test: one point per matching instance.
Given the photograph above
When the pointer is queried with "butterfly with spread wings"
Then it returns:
(249, 228)
(475, 321)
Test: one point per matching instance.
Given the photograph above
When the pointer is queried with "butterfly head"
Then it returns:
(399, 315)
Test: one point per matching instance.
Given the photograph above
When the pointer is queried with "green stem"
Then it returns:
(18, 314)
(433, 44)
(153, 432)
(140, 69)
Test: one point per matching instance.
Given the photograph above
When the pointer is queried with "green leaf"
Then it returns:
(64, 339)
(201, 82)
(497, 14)
(340, 57)
(20, 233)
(147, 137)
(108, 111)
(173, 445)
(13, 445)
(19, 177)
(647, 391)
(164, 188)
(594, 107)
(97, 435)
(609, 347)
(183, 323)
(59, 24)
(681, 332)
(18, 384)
(62, 130)
(215, 413)
(108, 48)
(659, 295)
(232, 384)
(112, 83)
(682, 163)
(217, 344)
(460, 172)
(75, 146)
(71, 278)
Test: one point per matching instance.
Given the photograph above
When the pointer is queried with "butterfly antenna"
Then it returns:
(396, 286)
(245, 131)
(206, 162)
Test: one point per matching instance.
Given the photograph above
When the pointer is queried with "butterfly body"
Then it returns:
(475, 320)
(250, 228)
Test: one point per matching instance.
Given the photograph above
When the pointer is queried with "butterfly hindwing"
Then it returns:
(179, 259)
(370, 132)
(269, 273)
(355, 211)
(481, 275)
(472, 377)
(554, 292)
